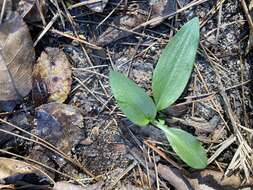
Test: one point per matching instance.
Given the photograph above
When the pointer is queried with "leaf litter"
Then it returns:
(134, 51)
(16, 59)
(13, 170)
(51, 77)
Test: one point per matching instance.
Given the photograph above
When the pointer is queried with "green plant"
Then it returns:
(170, 77)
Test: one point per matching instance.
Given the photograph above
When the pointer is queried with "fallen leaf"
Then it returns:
(128, 22)
(174, 177)
(59, 124)
(138, 15)
(10, 169)
(64, 185)
(8, 106)
(161, 8)
(217, 180)
(16, 59)
(176, 111)
(23, 7)
(28, 9)
(51, 77)
(200, 124)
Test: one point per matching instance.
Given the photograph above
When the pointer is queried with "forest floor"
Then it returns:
(103, 149)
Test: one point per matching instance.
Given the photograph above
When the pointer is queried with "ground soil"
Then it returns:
(112, 148)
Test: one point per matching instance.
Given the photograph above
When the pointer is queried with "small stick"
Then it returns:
(2, 11)
(88, 2)
(39, 7)
(49, 25)
(247, 14)
(109, 14)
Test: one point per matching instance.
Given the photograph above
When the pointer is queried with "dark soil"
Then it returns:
(109, 145)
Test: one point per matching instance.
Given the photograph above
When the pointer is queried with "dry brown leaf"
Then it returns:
(59, 124)
(64, 185)
(23, 7)
(161, 8)
(51, 77)
(112, 34)
(16, 59)
(136, 16)
(216, 180)
(174, 177)
(28, 9)
(11, 167)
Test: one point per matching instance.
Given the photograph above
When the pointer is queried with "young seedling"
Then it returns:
(170, 78)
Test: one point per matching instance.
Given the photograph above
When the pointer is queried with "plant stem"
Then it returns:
(159, 124)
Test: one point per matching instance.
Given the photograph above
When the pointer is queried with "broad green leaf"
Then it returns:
(187, 147)
(132, 100)
(175, 64)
